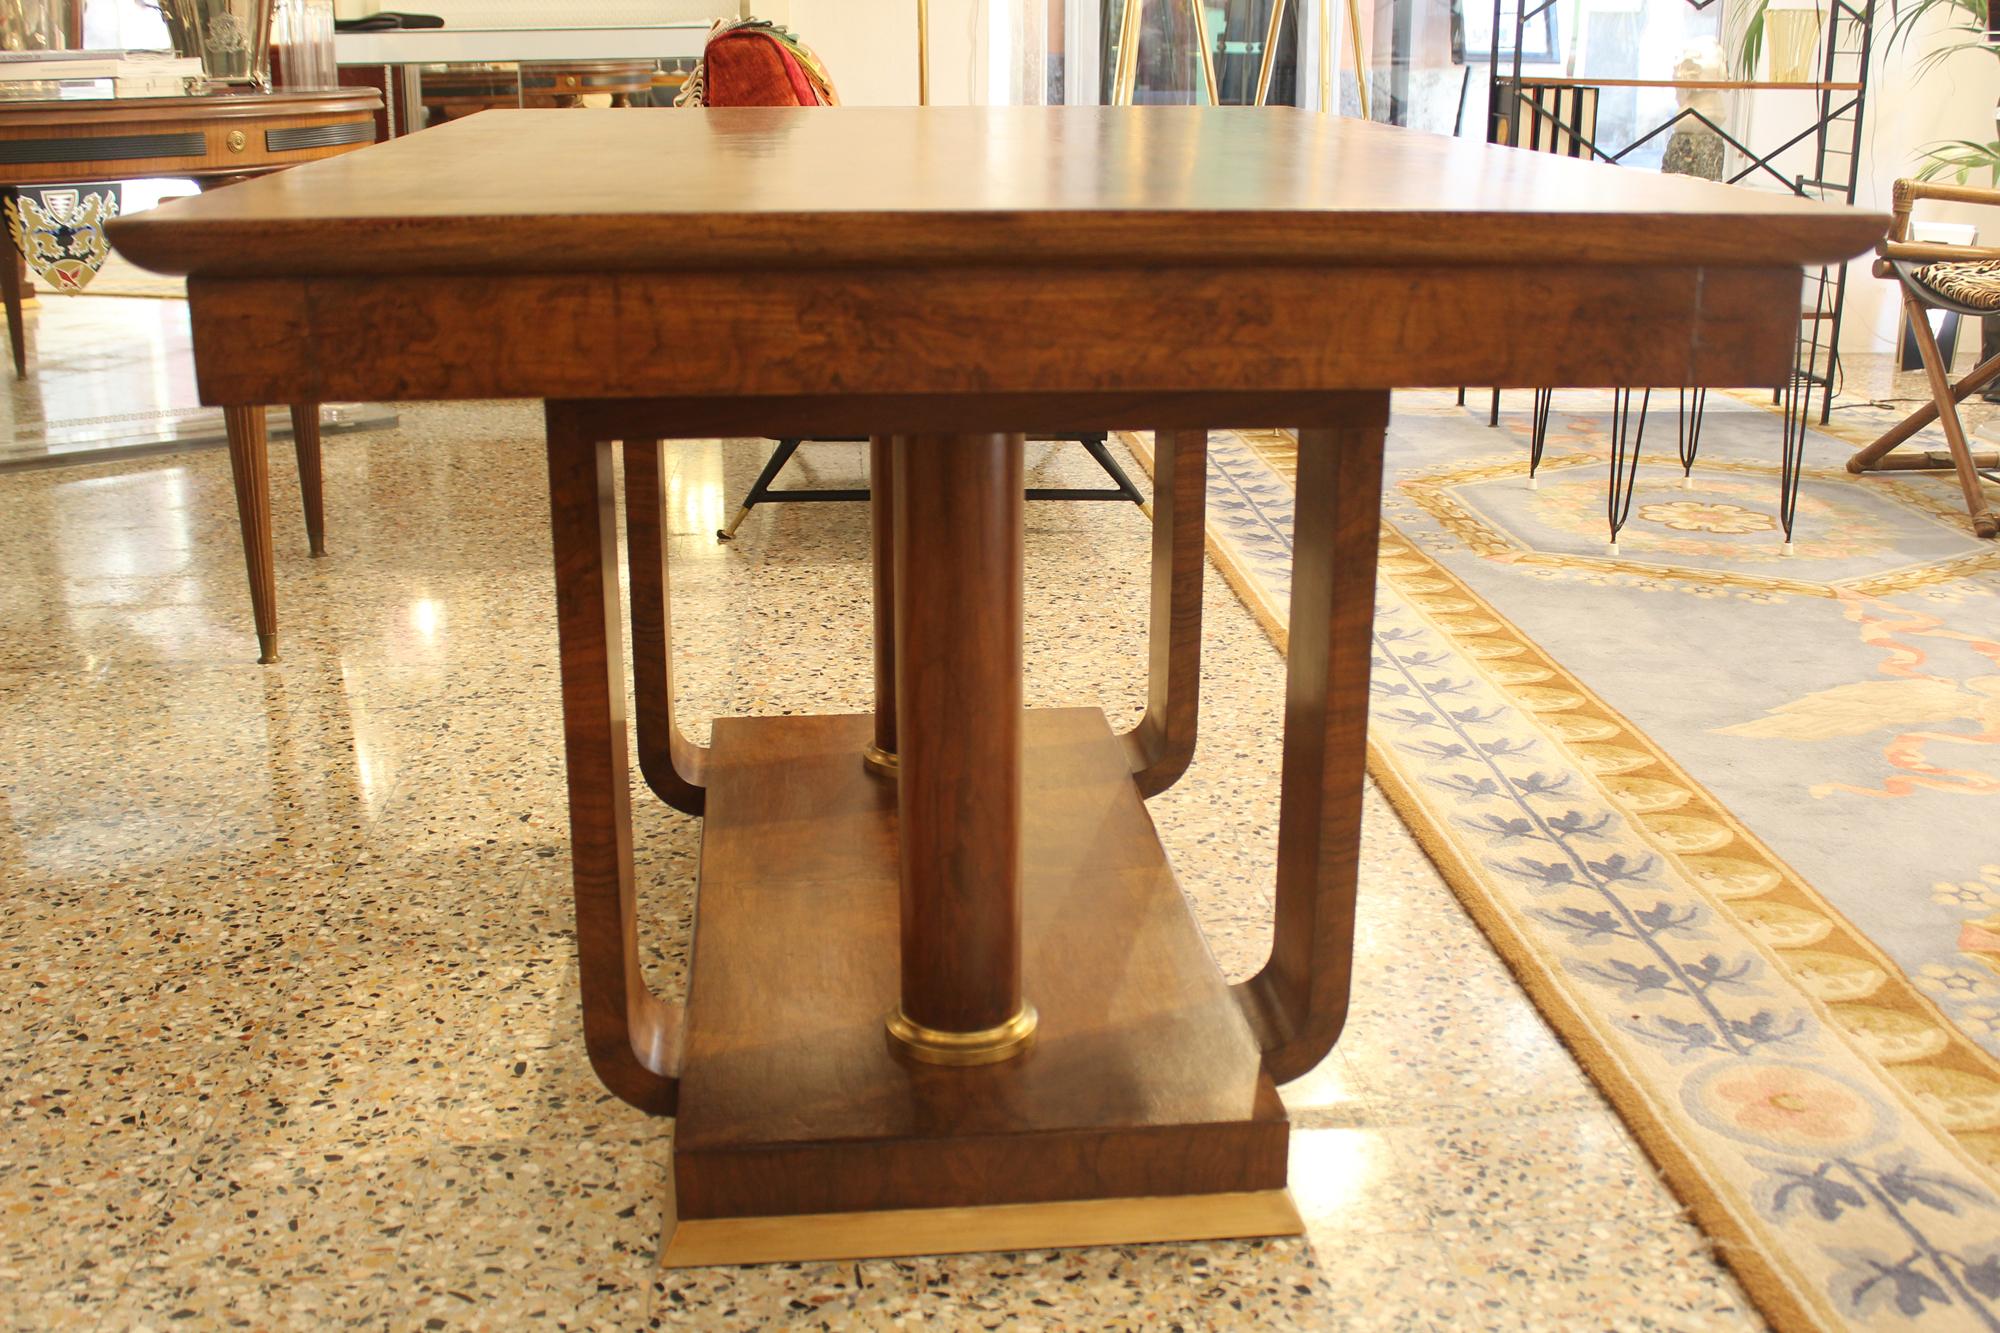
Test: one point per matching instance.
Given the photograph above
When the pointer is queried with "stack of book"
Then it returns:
(51, 74)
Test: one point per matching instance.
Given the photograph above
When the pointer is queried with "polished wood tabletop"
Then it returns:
(558, 254)
(889, 185)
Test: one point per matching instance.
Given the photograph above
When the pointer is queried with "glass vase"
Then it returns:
(302, 34)
(232, 38)
(1791, 35)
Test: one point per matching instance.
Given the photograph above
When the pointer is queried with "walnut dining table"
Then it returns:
(945, 991)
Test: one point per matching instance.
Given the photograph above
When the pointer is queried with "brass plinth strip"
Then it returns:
(696, 1242)
(879, 760)
(984, 1047)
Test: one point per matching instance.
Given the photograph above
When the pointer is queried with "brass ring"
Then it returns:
(984, 1047)
(880, 760)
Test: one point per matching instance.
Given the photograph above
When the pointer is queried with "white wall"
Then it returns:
(540, 13)
(870, 46)
(1906, 112)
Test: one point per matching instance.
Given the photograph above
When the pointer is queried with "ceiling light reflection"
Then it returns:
(427, 616)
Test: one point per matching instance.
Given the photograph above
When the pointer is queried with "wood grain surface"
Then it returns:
(1025, 331)
(1143, 1078)
(1297, 1001)
(1161, 745)
(583, 190)
(633, 1038)
(958, 590)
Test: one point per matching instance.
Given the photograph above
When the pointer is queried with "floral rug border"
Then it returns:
(1768, 984)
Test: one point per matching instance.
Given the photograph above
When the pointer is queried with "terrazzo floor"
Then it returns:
(289, 1032)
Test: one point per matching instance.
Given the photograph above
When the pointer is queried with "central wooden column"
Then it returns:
(957, 502)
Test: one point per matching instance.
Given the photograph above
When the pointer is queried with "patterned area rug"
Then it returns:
(1733, 818)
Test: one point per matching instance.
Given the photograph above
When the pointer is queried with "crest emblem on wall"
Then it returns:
(60, 232)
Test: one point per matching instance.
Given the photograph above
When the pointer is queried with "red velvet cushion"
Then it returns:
(749, 69)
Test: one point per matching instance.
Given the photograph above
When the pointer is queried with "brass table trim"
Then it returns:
(1068, 1223)
(984, 1047)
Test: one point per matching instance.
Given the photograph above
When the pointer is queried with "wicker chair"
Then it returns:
(1960, 278)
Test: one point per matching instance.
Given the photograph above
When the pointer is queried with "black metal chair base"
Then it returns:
(1628, 437)
(761, 491)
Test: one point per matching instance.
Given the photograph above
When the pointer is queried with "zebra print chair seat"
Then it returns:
(1970, 286)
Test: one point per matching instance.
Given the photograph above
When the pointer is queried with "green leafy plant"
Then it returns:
(1964, 30)
(1960, 158)
(1751, 44)
(1967, 17)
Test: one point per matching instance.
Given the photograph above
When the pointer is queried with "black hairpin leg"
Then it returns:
(1121, 487)
(1538, 435)
(1693, 402)
(763, 492)
(1627, 438)
(760, 489)
(1493, 417)
(1791, 465)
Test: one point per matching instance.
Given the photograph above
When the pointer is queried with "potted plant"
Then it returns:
(1965, 29)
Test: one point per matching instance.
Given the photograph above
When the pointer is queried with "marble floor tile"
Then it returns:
(1356, 1179)
(270, 1239)
(1424, 1051)
(1394, 1280)
(1634, 1274)
(1569, 1167)
(1330, 1096)
(1144, 1286)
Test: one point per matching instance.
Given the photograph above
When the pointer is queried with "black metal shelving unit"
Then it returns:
(1529, 109)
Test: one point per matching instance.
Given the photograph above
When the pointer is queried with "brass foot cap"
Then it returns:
(879, 760)
(984, 1047)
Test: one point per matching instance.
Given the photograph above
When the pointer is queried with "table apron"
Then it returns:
(787, 334)
(89, 150)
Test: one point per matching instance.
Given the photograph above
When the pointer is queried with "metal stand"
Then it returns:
(1628, 437)
(1840, 91)
(761, 492)
(1791, 464)
(1538, 434)
(1624, 464)
(1688, 432)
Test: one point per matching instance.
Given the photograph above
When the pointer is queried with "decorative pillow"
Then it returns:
(754, 62)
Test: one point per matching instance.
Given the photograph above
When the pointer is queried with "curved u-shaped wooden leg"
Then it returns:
(674, 766)
(881, 754)
(1160, 747)
(633, 1038)
(1297, 1003)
